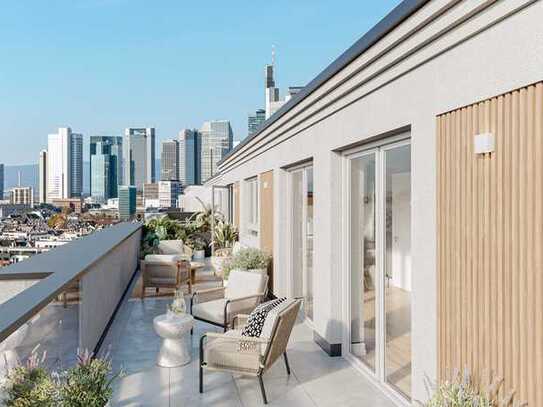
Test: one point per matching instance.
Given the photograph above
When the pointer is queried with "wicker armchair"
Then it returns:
(248, 356)
(164, 271)
(219, 306)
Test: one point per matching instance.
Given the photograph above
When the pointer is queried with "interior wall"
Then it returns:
(490, 240)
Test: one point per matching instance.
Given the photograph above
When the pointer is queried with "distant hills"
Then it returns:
(29, 176)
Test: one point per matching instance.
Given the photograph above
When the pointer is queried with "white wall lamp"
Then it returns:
(484, 143)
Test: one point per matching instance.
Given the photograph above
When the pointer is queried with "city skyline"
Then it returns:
(88, 67)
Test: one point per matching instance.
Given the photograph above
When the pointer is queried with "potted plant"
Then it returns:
(198, 248)
(248, 259)
(224, 236)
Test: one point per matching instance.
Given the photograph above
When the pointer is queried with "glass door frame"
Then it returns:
(290, 211)
(378, 150)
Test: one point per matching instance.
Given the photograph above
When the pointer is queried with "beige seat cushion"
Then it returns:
(214, 310)
(227, 354)
(210, 311)
(163, 258)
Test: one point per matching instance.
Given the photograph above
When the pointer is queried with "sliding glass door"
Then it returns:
(301, 197)
(379, 237)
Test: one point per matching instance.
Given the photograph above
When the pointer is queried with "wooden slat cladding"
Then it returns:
(236, 204)
(266, 217)
(490, 241)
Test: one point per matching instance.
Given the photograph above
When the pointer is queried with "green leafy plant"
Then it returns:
(89, 383)
(165, 228)
(247, 259)
(30, 385)
(149, 241)
(225, 235)
(196, 243)
(202, 220)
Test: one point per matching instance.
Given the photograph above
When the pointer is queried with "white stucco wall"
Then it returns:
(493, 53)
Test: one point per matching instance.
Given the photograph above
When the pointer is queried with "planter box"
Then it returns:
(199, 254)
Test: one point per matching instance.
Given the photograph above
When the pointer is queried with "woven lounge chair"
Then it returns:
(249, 356)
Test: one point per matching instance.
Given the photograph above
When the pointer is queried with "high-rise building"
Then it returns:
(168, 191)
(272, 93)
(169, 161)
(273, 100)
(76, 166)
(139, 157)
(21, 196)
(105, 167)
(190, 157)
(255, 121)
(1, 181)
(42, 177)
(64, 165)
(217, 141)
(127, 202)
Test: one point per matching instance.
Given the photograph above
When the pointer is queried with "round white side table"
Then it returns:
(174, 350)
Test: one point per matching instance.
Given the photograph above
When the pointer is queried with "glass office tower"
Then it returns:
(106, 167)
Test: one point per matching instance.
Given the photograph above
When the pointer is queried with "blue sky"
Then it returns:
(102, 65)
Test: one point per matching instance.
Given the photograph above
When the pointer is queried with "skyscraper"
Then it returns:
(105, 167)
(217, 140)
(76, 165)
(64, 164)
(139, 157)
(169, 161)
(255, 121)
(127, 202)
(1, 181)
(190, 154)
(42, 198)
(272, 93)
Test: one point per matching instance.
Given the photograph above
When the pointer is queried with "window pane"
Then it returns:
(398, 268)
(363, 272)
(297, 233)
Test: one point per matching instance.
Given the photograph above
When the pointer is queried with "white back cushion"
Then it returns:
(272, 316)
(245, 283)
(171, 247)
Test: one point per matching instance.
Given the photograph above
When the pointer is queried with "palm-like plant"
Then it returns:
(224, 235)
(202, 220)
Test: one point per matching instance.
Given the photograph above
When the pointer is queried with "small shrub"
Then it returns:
(247, 259)
(88, 384)
(30, 385)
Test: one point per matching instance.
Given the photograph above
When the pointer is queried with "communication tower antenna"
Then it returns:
(273, 56)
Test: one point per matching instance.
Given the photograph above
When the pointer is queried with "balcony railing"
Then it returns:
(65, 299)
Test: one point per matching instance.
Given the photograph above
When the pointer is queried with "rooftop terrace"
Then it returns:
(103, 313)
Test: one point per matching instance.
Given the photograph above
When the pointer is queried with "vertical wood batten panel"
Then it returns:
(530, 253)
(538, 241)
(490, 241)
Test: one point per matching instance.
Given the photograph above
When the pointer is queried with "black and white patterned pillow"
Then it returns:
(257, 317)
